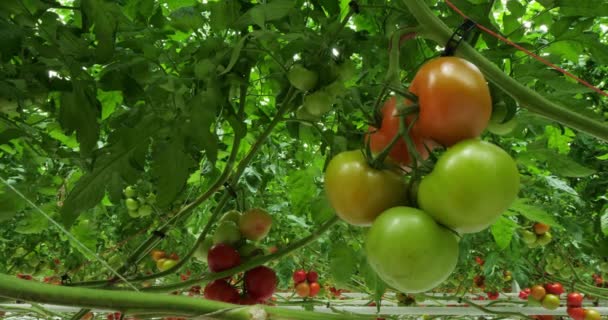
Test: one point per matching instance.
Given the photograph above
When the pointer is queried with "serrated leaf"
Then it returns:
(85, 234)
(103, 16)
(79, 113)
(502, 231)
(343, 263)
(560, 185)
(223, 14)
(301, 184)
(10, 203)
(197, 125)
(33, 222)
(274, 10)
(321, 210)
(582, 8)
(372, 281)
(533, 212)
(170, 168)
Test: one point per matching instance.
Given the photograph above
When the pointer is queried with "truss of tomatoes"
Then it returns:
(306, 283)
(470, 186)
(548, 296)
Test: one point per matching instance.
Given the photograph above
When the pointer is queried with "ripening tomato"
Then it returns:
(550, 301)
(472, 184)
(538, 292)
(303, 289)
(591, 314)
(555, 288)
(220, 290)
(574, 299)
(359, 193)
(576, 313)
(255, 224)
(540, 228)
(314, 289)
(299, 276)
(454, 99)
(312, 276)
(381, 137)
(410, 251)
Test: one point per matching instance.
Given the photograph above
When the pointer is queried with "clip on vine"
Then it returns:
(65, 279)
(460, 34)
(159, 234)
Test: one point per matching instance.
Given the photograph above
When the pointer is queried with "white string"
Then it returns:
(69, 235)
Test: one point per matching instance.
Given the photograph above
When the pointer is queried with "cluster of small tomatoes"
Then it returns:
(163, 260)
(228, 247)
(538, 235)
(413, 240)
(548, 296)
(137, 204)
(306, 283)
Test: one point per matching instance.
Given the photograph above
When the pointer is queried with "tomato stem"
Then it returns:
(436, 30)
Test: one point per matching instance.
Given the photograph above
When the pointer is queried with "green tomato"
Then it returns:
(566, 272)
(232, 215)
(203, 249)
(528, 237)
(132, 204)
(318, 103)
(472, 184)
(303, 114)
(134, 213)
(144, 210)
(544, 239)
(151, 199)
(550, 269)
(249, 250)
(130, 192)
(359, 193)
(410, 251)
(496, 125)
(550, 301)
(557, 263)
(165, 264)
(302, 78)
(227, 232)
(347, 70)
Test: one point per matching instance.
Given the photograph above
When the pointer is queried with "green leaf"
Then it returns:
(604, 222)
(568, 49)
(274, 10)
(223, 14)
(85, 233)
(301, 184)
(533, 212)
(10, 37)
(186, 19)
(582, 8)
(234, 57)
(79, 113)
(502, 231)
(10, 203)
(343, 263)
(33, 222)
(103, 15)
(516, 8)
(372, 281)
(170, 168)
(196, 128)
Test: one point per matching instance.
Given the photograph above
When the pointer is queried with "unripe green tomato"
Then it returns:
(302, 78)
(318, 103)
(232, 215)
(566, 272)
(203, 249)
(144, 210)
(249, 250)
(528, 237)
(165, 264)
(130, 192)
(227, 232)
(550, 269)
(151, 199)
(557, 263)
(134, 213)
(544, 239)
(536, 244)
(550, 301)
(132, 204)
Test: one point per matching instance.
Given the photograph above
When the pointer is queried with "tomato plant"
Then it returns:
(476, 182)
(432, 250)
(454, 99)
(358, 192)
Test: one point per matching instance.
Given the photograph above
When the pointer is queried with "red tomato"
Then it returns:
(314, 289)
(479, 261)
(260, 283)
(303, 289)
(222, 257)
(492, 295)
(312, 276)
(299, 276)
(574, 299)
(523, 295)
(157, 255)
(576, 313)
(541, 228)
(454, 99)
(554, 288)
(220, 290)
(381, 137)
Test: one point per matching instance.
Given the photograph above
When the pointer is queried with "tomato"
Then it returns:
(528, 237)
(312, 276)
(144, 210)
(249, 250)
(174, 256)
(318, 103)
(227, 232)
(479, 261)
(260, 283)
(222, 257)
(591, 314)
(130, 192)
(359, 193)
(220, 290)
(299, 276)
(303, 289)
(132, 204)
(302, 78)
(273, 249)
(544, 239)
(544, 317)
(157, 254)
(492, 295)
(554, 288)
(314, 289)
(165, 264)
(202, 250)
(574, 299)
(523, 295)
(541, 228)
(255, 224)
(151, 198)
(454, 99)
(550, 301)
(538, 292)
(232, 215)
(410, 251)
(382, 137)
(576, 313)
(472, 184)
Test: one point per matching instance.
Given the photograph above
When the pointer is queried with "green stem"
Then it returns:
(437, 31)
(251, 263)
(478, 307)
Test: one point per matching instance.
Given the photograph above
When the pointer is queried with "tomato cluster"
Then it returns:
(548, 296)
(228, 248)
(306, 283)
(164, 261)
(471, 185)
(537, 235)
(137, 204)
